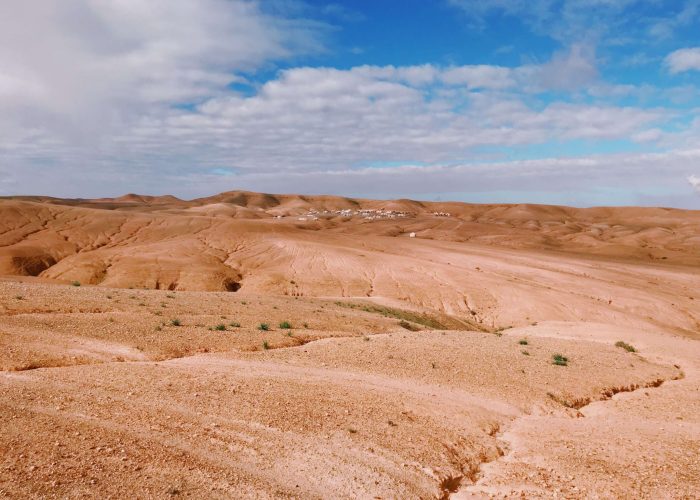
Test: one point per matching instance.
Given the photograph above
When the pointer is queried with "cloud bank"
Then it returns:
(166, 96)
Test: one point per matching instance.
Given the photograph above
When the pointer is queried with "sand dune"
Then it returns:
(254, 345)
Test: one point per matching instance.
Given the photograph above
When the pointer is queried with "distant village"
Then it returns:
(367, 214)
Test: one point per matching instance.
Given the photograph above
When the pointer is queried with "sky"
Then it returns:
(573, 102)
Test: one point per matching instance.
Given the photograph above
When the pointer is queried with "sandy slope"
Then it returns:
(414, 367)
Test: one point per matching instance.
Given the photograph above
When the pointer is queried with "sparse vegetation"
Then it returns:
(525, 353)
(220, 327)
(523, 342)
(19, 297)
(265, 345)
(263, 327)
(285, 325)
(624, 345)
(175, 322)
(559, 360)
(413, 317)
(408, 326)
(305, 325)
(75, 283)
(234, 324)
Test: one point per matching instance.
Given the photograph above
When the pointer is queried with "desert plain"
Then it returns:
(250, 345)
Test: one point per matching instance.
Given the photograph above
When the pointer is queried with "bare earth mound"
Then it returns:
(251, 345)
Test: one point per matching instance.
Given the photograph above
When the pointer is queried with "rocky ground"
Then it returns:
(348, 361)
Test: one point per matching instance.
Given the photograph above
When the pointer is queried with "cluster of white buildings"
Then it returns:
(382, 214)
(368, 214)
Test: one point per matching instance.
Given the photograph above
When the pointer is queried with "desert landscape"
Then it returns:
(250, 345)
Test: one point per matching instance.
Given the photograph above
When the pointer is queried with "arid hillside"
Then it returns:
(280, 346)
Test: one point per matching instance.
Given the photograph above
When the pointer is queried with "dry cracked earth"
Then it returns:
(261, 346)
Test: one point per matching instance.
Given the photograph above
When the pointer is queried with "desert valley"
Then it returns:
(250, 345)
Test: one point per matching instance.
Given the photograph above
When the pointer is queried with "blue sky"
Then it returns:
(578, 102)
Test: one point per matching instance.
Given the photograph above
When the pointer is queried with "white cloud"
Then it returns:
(313, 117)
(311, 120)
(684, 60)
(84, 66)
(694, 181)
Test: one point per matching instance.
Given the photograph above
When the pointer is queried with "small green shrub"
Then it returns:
(306, 325)
(234, 324)
(559, 360)
(266, 346)
(76, 283)
(624, 345)
(220, 328)
(285, 325)
(175, 322)
(525, 353)
(264, 327)
(522, 342)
